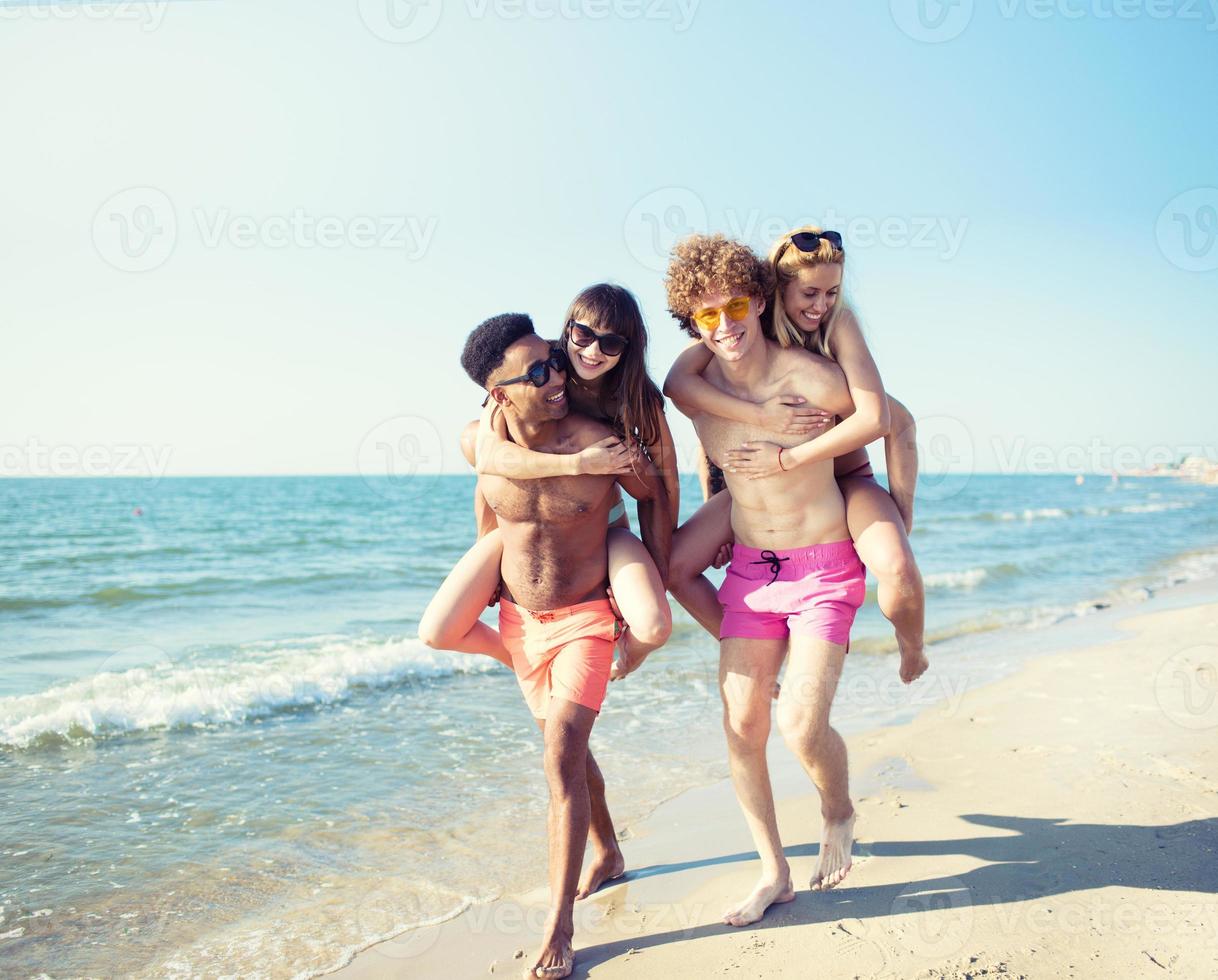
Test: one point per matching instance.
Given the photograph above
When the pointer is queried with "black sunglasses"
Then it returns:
(539, 373)
(809, 241)
(582, 335)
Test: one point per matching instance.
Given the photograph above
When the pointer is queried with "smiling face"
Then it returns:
(522, 398)
(730, 339)
(590, 363)
(810, 296)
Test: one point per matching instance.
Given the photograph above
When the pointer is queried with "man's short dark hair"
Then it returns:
(486, 345)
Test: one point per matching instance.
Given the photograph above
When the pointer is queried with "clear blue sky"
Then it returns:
(1033, 286)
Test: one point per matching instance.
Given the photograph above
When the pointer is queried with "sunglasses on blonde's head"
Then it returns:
(809, 241)
(736, 309)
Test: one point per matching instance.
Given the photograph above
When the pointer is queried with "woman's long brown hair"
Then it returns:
(605, 308)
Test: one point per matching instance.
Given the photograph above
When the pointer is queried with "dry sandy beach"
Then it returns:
(1061, 822)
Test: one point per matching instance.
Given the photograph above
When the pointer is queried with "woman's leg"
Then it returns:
(879, 535)
(450, 621)
(694, 547)
(640, 599)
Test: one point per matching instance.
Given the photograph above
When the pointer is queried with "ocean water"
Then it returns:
(222, 748)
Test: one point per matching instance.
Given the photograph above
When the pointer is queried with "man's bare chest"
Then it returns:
(553, 500)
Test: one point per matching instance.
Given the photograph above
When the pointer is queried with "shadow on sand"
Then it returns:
(1035, 858)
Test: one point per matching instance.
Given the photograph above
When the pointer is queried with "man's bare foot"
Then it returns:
(556, 959)
(836, 842)
(604, 867)
(766, 893)
(913, 661)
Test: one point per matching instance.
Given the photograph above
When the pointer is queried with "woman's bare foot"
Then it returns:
(604, 867)
(913, 660)
(837, 840)
(628, 660)
(556, 959)
(766, 893)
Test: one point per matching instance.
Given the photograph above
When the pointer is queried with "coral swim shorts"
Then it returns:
(564, 653)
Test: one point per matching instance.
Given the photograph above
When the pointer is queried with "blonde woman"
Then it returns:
(807, 311)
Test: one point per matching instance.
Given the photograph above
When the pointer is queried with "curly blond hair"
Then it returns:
(706, 264)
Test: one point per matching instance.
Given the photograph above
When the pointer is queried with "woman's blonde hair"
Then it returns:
(786, 260)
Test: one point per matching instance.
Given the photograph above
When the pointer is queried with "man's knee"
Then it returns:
(566, 760)
(746, 723)
(800, 724)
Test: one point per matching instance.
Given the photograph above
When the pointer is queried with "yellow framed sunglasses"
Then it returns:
(736, 309)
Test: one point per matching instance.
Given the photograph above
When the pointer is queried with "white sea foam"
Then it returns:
(1032, 514)
(168, 694)
(1153, 508)
(969, 579)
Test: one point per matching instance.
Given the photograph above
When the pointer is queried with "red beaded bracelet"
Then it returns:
(780, 466)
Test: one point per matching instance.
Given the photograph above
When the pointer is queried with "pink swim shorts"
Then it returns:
(812, 591)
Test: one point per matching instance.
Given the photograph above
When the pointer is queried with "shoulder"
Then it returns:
(582, 430)
(797, 360)
(847, 336)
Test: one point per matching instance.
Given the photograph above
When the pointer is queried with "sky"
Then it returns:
(250, 238)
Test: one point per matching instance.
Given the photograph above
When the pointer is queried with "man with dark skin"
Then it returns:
(555, 617)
